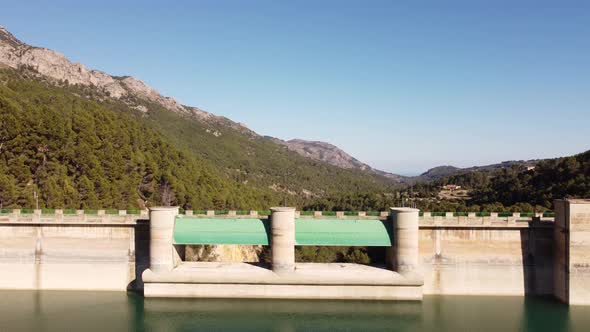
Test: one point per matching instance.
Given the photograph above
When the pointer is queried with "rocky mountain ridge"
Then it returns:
(17, 54)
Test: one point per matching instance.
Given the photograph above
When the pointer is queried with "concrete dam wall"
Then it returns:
(466, 254)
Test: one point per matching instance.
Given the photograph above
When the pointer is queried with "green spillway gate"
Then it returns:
(221, 231)
(308, 232)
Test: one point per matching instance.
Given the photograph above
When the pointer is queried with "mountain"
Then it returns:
(324, 152)
(52, 64)
(298, 171)
(241, 157)
(331, 154)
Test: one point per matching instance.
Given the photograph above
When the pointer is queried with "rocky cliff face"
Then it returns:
(325, 152)
(16, 54)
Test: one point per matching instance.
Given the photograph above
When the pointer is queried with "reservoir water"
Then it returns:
(105, 311)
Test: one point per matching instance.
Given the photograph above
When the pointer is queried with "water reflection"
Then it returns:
(61, 311)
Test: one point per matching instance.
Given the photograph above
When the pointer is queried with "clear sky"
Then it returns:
(403, 86)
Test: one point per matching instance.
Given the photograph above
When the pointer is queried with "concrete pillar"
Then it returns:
(81, 215)
(36, 215)
(188, 213)
(571, 272)
(102, 214)
(283, 239)
(210, 213)
(161, 231)
(59, 215)
(404, 252)
(339, 214)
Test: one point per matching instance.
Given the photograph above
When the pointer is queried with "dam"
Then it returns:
(427, 253)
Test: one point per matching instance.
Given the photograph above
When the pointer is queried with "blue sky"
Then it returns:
(403, 86)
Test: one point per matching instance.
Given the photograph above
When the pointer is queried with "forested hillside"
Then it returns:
(75, 153)
(75, 147)
(519, 187)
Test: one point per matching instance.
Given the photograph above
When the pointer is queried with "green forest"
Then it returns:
(69, 146)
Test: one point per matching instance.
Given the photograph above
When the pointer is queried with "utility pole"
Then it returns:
(36, 197)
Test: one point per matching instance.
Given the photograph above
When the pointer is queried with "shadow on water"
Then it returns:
(106, 311)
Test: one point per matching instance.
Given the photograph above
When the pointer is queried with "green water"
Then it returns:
(90, 311)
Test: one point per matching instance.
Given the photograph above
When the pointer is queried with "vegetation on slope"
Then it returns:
(76, 153)
(519, 188)
(77, 148)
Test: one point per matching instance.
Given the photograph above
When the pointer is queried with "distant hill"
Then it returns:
(333, 155)
(445, 171)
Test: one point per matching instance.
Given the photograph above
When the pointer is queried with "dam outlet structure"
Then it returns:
(170, 276)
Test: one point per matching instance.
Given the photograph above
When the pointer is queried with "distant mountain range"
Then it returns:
(297, 167)
(333, 155)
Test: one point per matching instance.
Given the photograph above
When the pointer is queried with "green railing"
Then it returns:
(46, 211)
